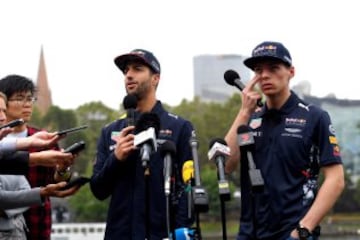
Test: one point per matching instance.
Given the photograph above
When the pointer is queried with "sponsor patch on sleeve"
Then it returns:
(255, 123)
(333, 140)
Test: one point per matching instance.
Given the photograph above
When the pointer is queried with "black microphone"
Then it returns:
(233, 78)
(130, 104)
(146, 130)
(194, 144)
(168, 152)
(219, 152)
(201, 198)
(246, 143)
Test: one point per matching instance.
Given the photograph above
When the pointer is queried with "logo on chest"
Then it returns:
(299, 122)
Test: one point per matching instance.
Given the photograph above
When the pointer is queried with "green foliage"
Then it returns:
(210, 120)
(85, 207)
(210, 181)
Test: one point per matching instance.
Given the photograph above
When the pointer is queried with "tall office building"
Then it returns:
(209, 83)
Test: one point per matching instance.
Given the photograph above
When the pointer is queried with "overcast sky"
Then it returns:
(81, 38)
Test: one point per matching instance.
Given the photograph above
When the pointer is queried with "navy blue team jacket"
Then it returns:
(124, 181)
(291, 144)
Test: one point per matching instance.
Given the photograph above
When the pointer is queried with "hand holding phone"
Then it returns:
(13, 123)
(69, 130)
(75, 148)
(78, 181)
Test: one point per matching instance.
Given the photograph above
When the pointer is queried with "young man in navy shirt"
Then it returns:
(293, 142)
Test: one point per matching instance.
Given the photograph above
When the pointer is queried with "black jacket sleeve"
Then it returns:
(14, 163)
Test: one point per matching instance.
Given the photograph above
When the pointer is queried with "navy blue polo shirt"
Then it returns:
(125, 181)
(291, 144)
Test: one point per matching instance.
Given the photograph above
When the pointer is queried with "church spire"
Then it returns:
(44, 101)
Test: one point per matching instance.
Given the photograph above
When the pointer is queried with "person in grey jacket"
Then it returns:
(15, 192)
(33, 196)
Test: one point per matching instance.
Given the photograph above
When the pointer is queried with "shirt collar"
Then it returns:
(289, 105)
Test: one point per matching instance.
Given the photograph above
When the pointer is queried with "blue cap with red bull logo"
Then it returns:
(138, 55)
(269, 50)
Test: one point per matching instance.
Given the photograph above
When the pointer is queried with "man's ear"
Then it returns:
(292, 71)
(155, 79)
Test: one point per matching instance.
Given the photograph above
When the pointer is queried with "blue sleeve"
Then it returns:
(184, 154)
(327, 141)
(105, 169)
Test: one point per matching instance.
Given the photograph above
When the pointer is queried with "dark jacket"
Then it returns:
(126, 184)
(15, 163)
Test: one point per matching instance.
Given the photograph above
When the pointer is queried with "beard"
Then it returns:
(142, 90)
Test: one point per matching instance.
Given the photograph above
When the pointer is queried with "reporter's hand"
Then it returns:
(55, 190)
(38, 140)
(124, 143)
(44, 139)
(51, 158)
(4, 132)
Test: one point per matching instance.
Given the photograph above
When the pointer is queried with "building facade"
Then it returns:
(209, 83)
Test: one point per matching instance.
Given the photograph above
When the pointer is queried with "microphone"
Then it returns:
(130, 104)
(219, 152)
(168, 151)
(246, 143)
(188, 177)
(184, 234)
(194, 144)
(188, 171)
(146, 130)
(233, 78)
(201, 198)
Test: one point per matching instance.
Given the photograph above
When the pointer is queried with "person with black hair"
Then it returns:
(21, 96)
(118, 171)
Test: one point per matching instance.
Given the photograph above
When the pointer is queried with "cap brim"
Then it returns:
(252, 61)
(122, 60)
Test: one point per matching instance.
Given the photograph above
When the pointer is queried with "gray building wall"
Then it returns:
(209, 83)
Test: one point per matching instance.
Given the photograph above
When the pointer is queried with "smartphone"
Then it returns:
(78, 181)
(13, 123)
(69, 130)
(75, 148)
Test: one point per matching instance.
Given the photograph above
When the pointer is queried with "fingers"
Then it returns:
(56, 190)
(66, 159)
(124, 143)
(67, 192)
(250, 96)
(250, 86)
(125, 131)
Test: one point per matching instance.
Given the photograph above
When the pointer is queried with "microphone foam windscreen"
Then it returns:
(215, 140)
(130, 101)
(230, 76)
(245, 137)
(188, 170)
(148, 120)
(168, 147)
(243, 129)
